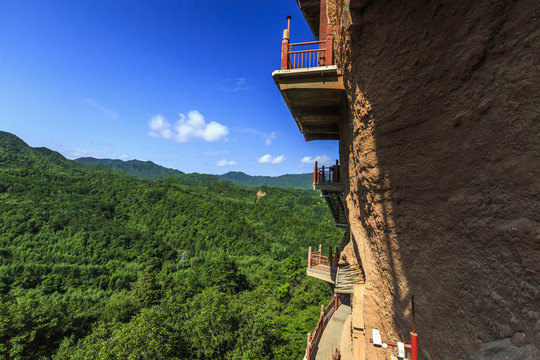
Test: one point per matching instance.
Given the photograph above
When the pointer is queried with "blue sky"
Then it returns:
(186, 83)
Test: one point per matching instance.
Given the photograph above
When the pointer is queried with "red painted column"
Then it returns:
(414, 346)
(315, 171)
(329, 47)
(308, 348)
(323, 21)
(285, 46)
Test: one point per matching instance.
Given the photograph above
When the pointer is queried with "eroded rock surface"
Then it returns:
(442, 154)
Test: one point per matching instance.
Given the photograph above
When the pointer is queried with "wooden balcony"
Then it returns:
(312, 86)
(327, 178)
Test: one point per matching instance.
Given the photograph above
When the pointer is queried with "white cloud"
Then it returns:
(269, 159)
(321, 159)
(278, 159)
(77, 153)
(237, 84)
(268, 138)
(192, 126)
(123, 156)
(108, 112)
(224, 162)
(265, 159)
(216, 153)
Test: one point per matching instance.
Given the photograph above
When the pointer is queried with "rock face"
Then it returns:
(441, 150)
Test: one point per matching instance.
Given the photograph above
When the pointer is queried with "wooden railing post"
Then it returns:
(329, 44)
(322, 177)
(285, 46)
(330, 257)
(309, 259)
(336, 172)
(308, 348)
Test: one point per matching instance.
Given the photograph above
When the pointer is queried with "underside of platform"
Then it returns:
(315, 98)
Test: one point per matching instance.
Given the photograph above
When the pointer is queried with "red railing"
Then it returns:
(329, 174)
(316, 258)
(313, 54)
(325, 316)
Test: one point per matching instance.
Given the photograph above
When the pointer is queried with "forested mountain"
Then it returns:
(295, 181)
(150, 171)
(95, 264)
(146, 170)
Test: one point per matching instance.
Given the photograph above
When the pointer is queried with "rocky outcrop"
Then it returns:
(441, 151)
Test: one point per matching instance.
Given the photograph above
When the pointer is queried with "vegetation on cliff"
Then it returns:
(92, 266)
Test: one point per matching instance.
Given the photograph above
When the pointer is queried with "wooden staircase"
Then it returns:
(333, 200)
(347, 276)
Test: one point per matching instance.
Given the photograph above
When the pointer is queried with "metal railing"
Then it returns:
(329, 174)
(315, 53)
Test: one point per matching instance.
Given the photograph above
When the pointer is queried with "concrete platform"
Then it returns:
(315, 98)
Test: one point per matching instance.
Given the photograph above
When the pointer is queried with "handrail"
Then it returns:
(306, 58)
(329, 174)
(316, 258)
(308, 43)
(326, 314)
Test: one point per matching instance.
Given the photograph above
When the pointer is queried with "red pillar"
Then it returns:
(309, 258)
(323, 21)
(414, 346)
(285, 46)
(308, 347)
(329, 47)
(414, 335)
(315, 171)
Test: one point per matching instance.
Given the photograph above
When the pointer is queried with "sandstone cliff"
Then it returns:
(442, 154)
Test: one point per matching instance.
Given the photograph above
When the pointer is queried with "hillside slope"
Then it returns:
(442, 153)
(96, 264)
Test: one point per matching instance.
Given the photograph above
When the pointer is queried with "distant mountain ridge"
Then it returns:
(297, 181)
(146, 170)
(150, 171)
(14, 151)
